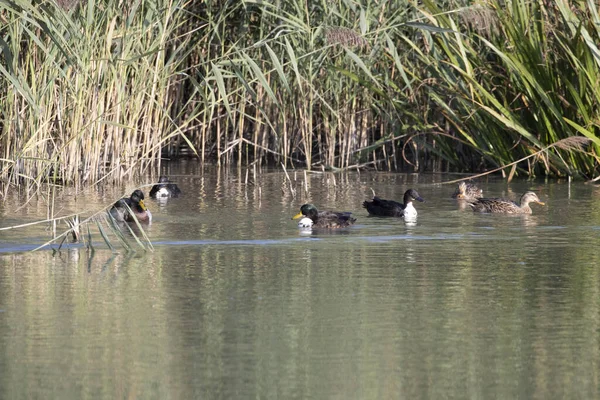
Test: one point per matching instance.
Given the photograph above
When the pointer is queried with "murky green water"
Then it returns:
(236, 303)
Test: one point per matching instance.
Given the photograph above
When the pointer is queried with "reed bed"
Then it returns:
(89, 90)
(100, 91)
(333, 85)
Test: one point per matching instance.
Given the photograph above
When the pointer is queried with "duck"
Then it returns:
(467, 191)
(313, 218)
(164, 188)
(121, 209)
(504, 206)
(391, 208)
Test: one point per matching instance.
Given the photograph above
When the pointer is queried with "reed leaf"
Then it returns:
(104, 236)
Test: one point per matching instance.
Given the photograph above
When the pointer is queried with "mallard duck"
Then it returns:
(391, 208)
(121, 213)
(467, 191)
(496, 205)
(312, 218)
(164, 188)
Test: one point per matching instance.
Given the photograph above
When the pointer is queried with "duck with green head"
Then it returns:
(313, 218)
(129, 208)
(504, 206)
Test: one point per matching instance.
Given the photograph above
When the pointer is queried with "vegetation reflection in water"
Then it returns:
(239, 304)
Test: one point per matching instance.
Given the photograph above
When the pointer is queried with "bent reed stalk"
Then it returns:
(573, 143)
(98, 92)
(103, 221)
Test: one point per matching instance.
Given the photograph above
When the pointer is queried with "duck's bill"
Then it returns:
(541, 203)
(420, 199)
(299, 215)
(142, 205)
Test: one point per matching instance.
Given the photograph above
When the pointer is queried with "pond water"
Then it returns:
(235, 302)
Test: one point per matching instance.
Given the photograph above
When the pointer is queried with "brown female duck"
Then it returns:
(467, 191)
(503, 206)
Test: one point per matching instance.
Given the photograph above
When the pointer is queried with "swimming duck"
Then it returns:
(312, 218)
(121, 213)
(467, 191)
(164, 188)
(496, 205)
(391, 208)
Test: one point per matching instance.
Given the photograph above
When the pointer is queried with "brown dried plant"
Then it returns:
(345, 37)
(481, 18)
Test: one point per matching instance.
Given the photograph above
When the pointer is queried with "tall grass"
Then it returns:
(302, 82)
(89, 99)
(525, 82)
(100, 90)
(334, 84)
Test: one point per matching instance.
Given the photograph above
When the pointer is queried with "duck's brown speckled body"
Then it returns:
(503, 206)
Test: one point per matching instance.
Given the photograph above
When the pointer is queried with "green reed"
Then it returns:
(98, 92)
(88, 99)
(508, 81)
(328, 85)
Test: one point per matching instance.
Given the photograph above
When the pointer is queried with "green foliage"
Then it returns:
(88, 94)
(523, 83)
(99, 91)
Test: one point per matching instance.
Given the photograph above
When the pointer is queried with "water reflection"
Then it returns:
(463, 205)
(236, 302)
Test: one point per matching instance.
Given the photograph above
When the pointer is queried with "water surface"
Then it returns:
(235, 302)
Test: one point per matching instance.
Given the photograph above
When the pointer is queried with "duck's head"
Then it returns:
(137, 197)
(163, 179)
(411, 195)
(530, 197)
(467, 191)
(461, 191)
(307, 210)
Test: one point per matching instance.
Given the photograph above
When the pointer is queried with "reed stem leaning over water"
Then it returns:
(574, 143)
(105, 224)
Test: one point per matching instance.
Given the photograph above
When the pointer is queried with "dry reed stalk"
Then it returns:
(218, 133)
(571, 143)
(286, 140)
(256, 126)
(352, 130)
(292, 190)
